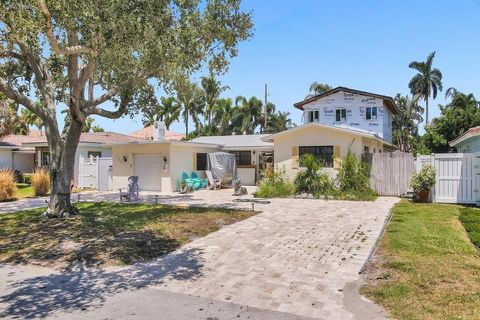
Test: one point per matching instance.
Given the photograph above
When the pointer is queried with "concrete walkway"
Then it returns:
(300, 257)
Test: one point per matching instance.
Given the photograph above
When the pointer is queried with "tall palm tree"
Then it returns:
(223, 114)
(406, 122)
(280, 121)
(211, 90)
(317, 88)
(250, 112)
(428, 81)
(31, 119)
(169, 110)
(189, 97)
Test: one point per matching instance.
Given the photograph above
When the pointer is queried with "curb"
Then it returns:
(377, 242)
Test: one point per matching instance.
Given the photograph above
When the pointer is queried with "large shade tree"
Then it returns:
(80, 55)
(462, 113)
(427, 82)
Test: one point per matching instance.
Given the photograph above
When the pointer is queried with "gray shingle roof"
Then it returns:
(237, 141)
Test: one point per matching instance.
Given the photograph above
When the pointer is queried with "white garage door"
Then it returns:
(148, 168)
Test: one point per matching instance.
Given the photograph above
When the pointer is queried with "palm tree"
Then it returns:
(451, 93)
(31, 119)
(317, 88)
(406, 122)
(222, 115)
(250, 113)
(280, 121)
(189, 97)
(169, 110)
(428, 81)
(211, 90)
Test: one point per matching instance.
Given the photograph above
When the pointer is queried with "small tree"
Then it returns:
(79, 55)
(353, 174)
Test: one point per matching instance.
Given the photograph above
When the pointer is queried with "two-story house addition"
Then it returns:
(334, 122)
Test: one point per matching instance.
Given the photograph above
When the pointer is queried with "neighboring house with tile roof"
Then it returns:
(147, 134)
(90, 144)
(13, 155)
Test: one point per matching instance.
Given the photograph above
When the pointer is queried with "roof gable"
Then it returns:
(389, 102)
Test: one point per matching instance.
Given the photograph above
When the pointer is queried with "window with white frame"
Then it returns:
(371, 113)
(313, 116)
(341, 114)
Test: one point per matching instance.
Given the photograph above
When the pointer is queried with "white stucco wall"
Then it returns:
(355, 106)
(23, 162)
(179, 159)
(6, 159)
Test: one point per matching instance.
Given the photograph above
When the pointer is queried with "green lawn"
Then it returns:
(24, 191)
(106, 233)
(426, 266)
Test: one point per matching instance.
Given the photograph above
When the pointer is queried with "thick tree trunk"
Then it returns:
(61, 170)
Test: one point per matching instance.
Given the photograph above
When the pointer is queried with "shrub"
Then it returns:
(8, 188)
(424, 179)
(41, 182)
(311, 180)
(274, 184)
(353, 174)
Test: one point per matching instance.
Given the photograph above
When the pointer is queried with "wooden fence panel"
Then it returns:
(390, 173)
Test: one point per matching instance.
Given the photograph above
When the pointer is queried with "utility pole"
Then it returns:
(265, 110)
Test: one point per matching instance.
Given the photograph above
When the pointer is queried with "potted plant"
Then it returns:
(422, 182)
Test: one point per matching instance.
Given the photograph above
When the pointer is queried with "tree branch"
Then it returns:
(18, 97)
(12, 54)
(109, 114)
(51, 37)
(103, 98)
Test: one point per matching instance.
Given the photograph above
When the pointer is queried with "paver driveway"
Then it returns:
(297, 256)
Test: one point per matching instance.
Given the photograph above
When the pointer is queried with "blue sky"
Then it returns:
(365, 45)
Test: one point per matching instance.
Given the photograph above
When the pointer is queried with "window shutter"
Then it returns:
(194, 162)
(294, 157)
(337, 157)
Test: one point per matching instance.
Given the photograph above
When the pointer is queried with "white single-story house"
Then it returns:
(91, 144)
(252, 154)
(14, 156)
(159, 164)
(327, 142)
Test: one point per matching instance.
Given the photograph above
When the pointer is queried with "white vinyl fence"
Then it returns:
(457, 176)
(95, 173)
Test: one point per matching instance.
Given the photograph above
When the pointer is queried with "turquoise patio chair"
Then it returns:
(202, 182)
(192, 183)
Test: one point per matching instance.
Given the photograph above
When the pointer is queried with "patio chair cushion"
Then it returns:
(203, 182)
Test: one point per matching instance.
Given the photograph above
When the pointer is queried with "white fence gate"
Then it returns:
(458, 176)
(95, 172)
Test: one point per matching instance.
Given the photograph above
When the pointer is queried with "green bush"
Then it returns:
(274, 185)
(353, 174)
(424, 179)
(311, 180)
